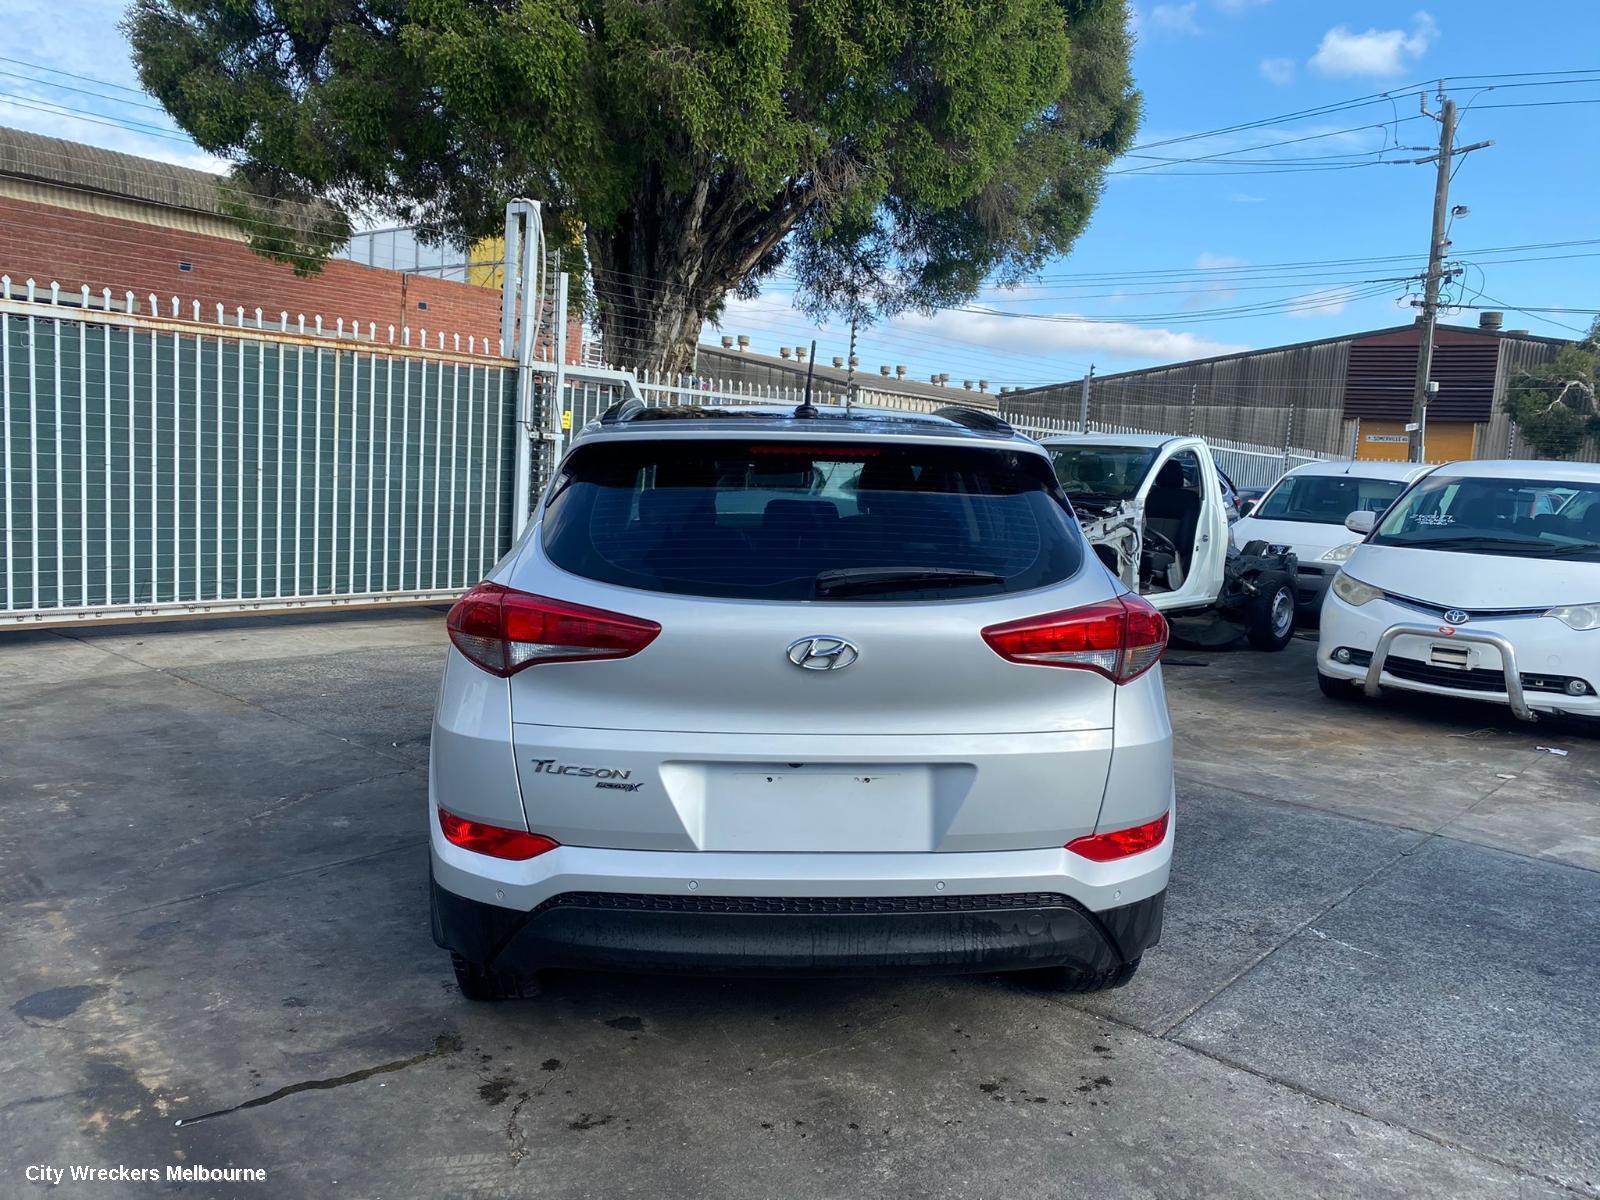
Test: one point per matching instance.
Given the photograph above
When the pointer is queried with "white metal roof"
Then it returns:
(1359, 469)
(1537, 469)
(1143, 440)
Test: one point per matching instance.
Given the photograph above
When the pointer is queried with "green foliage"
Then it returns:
(1554, 404)
(900, 151)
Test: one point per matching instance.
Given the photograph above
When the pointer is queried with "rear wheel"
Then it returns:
(480, 983)
(1070, 979)
(1269, 614)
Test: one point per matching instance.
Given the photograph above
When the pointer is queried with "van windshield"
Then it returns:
(835, 520)
(1326, 499)
(1519, 518)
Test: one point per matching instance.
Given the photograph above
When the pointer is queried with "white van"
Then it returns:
(1306, 508)
(1482, 581)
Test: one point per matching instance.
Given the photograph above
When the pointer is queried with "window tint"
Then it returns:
(1327, 499)
(786, 521)
(1523, 518)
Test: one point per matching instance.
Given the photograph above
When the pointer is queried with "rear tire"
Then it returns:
(1069, 979)
(1269, 614)
(481, 984)
(1336, 689)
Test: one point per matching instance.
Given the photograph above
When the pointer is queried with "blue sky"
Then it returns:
(1209, 234)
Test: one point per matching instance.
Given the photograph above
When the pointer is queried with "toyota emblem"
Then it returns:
(822, 652)
(1456, 617)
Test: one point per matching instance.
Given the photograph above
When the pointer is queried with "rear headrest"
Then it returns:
(675, 506)
(788, 514)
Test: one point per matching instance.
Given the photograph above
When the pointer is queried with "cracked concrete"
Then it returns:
(1378, 978)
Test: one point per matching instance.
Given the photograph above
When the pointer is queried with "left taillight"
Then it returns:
(503, 630)
(496, 841)
(1120, 638)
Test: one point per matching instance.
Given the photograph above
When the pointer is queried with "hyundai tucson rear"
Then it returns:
(812, 692)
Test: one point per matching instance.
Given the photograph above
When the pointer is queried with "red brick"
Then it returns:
(73, 248)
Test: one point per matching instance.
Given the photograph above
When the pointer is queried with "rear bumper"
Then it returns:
(798, 935)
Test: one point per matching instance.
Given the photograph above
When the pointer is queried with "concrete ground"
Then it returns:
(1380, 974)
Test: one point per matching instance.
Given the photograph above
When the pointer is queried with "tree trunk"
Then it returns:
(672, 259)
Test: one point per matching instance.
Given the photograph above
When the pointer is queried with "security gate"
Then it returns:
(153, 467)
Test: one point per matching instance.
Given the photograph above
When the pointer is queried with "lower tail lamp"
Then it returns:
(496, 841)
(1121, 843)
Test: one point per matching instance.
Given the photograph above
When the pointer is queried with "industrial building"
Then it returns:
(79, 216)
(1348, 395)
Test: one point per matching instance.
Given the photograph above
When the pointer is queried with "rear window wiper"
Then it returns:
(847, 581)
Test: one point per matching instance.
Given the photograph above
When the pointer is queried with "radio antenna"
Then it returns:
(806, 408)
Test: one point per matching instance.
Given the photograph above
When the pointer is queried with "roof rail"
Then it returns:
(974, 418)
(623, 410)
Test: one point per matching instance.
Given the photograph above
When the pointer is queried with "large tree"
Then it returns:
(896, 153)
(1554, 404)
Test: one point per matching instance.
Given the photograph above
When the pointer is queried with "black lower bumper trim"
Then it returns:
(798, 935)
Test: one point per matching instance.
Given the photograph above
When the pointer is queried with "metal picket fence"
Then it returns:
(152, 466)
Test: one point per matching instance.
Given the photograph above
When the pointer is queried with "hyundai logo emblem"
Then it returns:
(1456, 617)
(822, 652)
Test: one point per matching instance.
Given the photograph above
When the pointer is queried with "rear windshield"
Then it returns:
(832, 521)
(1327, 499)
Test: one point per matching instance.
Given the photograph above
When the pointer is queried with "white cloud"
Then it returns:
(1071, 334)
(1245, 198)
(1210, 293)
(37, 30)
(1278, 70)
(1235, 7)
(1175, 18)
(1378, 52)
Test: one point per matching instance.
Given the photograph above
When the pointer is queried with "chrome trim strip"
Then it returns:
(1508, 661)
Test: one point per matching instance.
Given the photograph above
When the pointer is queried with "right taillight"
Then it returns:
(1121, 843)
(1121, 638)
(503, 630)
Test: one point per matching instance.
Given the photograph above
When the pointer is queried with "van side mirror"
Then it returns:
(1361, 522)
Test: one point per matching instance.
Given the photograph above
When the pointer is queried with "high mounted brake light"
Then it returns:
(503, 630)
(1121, 638)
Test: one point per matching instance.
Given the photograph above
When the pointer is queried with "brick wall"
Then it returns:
(73, 248)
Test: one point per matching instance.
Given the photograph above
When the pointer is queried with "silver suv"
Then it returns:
(811, 691)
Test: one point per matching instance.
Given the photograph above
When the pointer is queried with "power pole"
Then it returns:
(1436, 269)
(1083, 402)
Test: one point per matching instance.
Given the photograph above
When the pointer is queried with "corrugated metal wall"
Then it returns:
(164, 466)
(1290, 397)
(1495, 439)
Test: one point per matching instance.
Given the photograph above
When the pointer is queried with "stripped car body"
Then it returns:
(1154, 508)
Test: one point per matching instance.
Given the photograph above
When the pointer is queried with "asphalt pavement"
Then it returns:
(1380, 974)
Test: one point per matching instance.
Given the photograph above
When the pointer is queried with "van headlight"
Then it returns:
(1577, 616)
(1340, 553)
(1352, 591)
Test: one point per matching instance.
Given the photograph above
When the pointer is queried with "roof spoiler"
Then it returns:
(975, 419)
